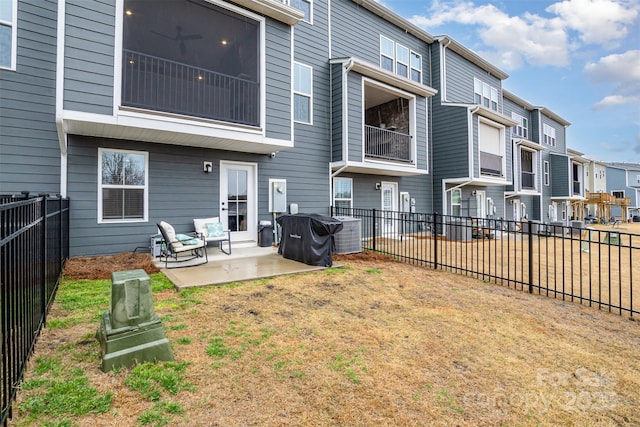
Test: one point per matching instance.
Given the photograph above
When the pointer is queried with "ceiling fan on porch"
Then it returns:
(180, 38)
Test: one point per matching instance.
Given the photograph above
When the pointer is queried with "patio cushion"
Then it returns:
(171, 234)
(200, 224)
(187, 240)
(215, 230)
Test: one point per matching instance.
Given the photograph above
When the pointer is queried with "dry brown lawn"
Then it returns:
(377, 343)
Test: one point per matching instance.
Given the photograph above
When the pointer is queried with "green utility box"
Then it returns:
(131, 332)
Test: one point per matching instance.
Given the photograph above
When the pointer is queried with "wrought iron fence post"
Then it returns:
(434, 227)
(43, 254)
(530, 235)
(373, 226)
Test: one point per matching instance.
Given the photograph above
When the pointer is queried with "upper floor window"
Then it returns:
(416, 67)
(8, 39)
(192, 58)
(545, 172)
(485, 94)
(123, 185)
(637, 179)
(618, 194)
(549, 135)
(522, 128)
(400, 60)
(302, 5)
(343, 193)
(302, 92)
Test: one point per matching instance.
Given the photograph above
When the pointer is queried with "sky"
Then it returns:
(578, 58)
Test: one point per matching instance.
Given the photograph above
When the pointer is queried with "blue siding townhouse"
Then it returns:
(472, 147)
(623, 181)
(203, 108)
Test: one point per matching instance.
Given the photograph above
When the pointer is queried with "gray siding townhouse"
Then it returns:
(380, 83)
(523, 198)
(558, 171)
(623, 181)
(29, 145)
(472, 148)
(238, 109)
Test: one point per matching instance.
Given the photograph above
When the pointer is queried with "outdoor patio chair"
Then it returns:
(211, 230)
(179, 248)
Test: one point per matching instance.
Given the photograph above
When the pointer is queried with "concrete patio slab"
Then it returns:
(243, 264)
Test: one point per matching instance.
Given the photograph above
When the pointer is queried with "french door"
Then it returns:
(238, 200)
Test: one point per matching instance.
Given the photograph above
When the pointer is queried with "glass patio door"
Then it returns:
(238, 200)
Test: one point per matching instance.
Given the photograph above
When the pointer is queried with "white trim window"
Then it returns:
(545, 172)
(387, 53)
(549, 134)
(8, 33)
(305, 6)
(485, 94)
(618, 194)
(123, 189)
(302, 93)
(637, 179)
(456, 202)
(522, 128)
(402, 61)
(416, 67)
(342, 193)
(399, 59)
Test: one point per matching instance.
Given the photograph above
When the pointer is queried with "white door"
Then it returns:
(553, 212)
(238, 200)
(517, 214)
(389, 196)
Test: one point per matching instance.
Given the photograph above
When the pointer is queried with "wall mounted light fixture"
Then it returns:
(378, 185)
(208, 167)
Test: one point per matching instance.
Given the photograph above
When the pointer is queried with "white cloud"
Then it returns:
(622, 71)
(597, 21)
(534, 39)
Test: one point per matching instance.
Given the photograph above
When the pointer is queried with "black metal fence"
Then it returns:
(34, 243)
(596, 267)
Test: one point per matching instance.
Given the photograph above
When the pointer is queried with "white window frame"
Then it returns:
(12, 25)
(545, 172)
(145, 217)
(457, 191)
(308, 19)
(501, 147)
(413, 54)
(407, 64)
(613, 193)
(522, 128)
(484, 94)
(386, 54)
(342, 199)
(549, 135)
(303, 94)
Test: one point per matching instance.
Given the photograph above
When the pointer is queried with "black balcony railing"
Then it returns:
(490, 164)
(576, 187)
(386, 144)
(598, 268)
(159, 84)
(528, 180)
(34, 243)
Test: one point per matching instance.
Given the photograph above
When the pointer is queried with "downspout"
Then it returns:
(345, 110)
(443, 63)
(62, 134)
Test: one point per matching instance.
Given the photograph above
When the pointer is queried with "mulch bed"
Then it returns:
(101, 267)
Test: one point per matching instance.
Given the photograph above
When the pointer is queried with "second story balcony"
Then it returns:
(386, 144)
(160, 84)
(528, 180)
(577, 185)
(491, 164)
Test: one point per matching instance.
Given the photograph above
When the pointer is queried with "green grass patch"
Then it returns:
(373, 271)
(351, 366)
(161, 414)
(65, 397)
(160, 282)
(153, 379)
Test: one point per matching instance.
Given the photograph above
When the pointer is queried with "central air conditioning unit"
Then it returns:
(349, 239)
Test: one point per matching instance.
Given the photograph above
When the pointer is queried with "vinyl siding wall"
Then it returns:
(559, 166)
(29, 147)
(459, 76)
